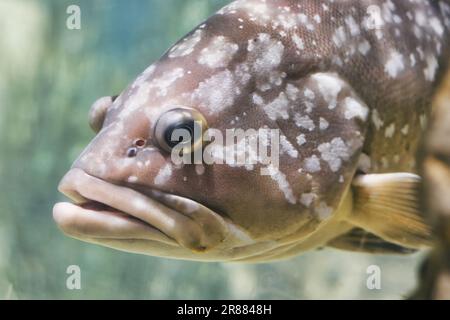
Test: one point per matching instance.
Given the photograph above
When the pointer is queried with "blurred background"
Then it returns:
(49, 76)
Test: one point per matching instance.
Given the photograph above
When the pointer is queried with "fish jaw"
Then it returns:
(105, 211)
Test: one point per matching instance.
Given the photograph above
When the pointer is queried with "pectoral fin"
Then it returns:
(387, 206)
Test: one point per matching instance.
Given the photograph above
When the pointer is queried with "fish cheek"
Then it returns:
(322, 127)
(251, 201)
(330, 154)
(322, 124)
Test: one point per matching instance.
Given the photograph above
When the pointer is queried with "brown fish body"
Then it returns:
(348, 86)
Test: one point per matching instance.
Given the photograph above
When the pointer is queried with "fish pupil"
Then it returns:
(188, 126)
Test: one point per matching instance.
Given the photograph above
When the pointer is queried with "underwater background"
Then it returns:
(49, 77)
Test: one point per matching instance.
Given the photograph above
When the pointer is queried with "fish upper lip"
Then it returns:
(155, 208)
(76, 183)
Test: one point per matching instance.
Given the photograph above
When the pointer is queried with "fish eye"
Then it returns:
(98, 110)
(180, 125)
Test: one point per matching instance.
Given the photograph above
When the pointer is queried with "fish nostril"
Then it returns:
(132, 152)
(140, 143)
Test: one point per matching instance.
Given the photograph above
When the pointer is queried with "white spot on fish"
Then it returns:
(354, 108)
(217, 93)
(298, 42)
(330, 86)
(287, 147)
(219, 53)
(144, 76)
(423, 121)
(163, 175)
(301, 139)
(304, 122)
(394, 65)
(257, 99)
(317, 18)
(186, 46)
(307, 199)
(430, 70)
(334, 152)
(324, 211)
(265, 52)
(199, 169)
(292, 92)
(140, 204)
(278, 108)
(352, 25)
(436, 25)
(364, 163)
(364, 47)
(312, 164)
(421, 53)
(309, 94)
(390, 130)
(405, 129)
(413, 60)
(323, 124)
(164, 83)
(283, 184)
(132, 179)
(376, 119)
(339, 37)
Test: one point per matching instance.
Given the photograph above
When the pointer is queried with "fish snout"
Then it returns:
(68, 186)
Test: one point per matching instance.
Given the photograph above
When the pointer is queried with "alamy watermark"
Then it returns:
(374, 279)
(73, 281)
(374, 19)
(73, 21)
(238, 148)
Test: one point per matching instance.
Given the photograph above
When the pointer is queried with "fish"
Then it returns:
(344, 88)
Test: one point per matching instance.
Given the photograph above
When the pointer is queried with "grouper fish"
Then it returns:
(347, 84)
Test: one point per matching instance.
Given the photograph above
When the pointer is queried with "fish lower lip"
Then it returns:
(91, 223)
(170, 217)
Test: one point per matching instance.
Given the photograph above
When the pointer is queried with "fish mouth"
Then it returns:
(153, 223)
(123, 218)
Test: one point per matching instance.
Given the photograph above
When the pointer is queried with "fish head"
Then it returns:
(131, 193)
